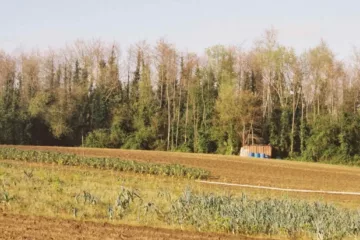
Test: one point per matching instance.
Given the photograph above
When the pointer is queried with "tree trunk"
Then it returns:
(169, 118)
(302, 135)
(195, 126)
(252, 134)
(174, 115)
(186, 114)
(243, 134)
(293, 124)
(178, 119)
(204, 106)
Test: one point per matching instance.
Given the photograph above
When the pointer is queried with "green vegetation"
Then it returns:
(102, 163)
(158, 98)
(140, 199)
(266, 216)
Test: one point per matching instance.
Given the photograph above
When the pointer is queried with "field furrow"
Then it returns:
(30, 227)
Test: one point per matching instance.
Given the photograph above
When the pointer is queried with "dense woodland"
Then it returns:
(157, 97)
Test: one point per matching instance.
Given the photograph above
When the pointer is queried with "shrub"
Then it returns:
(99, 139)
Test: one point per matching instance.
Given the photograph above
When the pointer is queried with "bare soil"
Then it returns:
(30, 227)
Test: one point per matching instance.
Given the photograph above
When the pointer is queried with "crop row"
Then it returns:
(240, 215)
(115, 164)
(266, 216)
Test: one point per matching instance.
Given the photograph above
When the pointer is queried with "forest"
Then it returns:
(155, 97)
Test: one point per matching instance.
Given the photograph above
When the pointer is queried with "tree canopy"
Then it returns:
(157, 97)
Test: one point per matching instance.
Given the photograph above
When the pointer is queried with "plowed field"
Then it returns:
(233, 169)
(24, 227)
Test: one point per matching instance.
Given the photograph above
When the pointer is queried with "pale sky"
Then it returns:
(192, 25)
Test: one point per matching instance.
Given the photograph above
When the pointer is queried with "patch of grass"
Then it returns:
(6, 197)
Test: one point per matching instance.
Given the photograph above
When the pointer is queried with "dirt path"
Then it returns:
(281, 189)
(26, 227)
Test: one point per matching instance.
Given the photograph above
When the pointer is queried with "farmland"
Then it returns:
(13, 226)
(94, 199)
(233, 169)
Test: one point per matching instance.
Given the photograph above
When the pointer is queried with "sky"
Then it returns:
(192, 25)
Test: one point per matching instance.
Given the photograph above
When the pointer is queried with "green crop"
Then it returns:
(267, 216)
(115, 164)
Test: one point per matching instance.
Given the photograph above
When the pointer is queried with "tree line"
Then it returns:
(156, 97)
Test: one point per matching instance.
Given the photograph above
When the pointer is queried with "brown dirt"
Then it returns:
(30, 227)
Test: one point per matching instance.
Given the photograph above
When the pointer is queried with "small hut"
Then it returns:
(259, 151)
